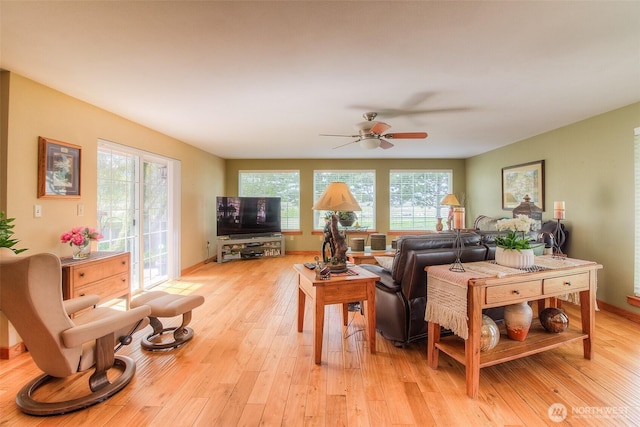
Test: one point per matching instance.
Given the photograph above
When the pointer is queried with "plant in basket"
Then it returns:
(516, 232)
(514, 250)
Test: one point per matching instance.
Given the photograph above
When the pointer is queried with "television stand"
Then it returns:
(234, 248)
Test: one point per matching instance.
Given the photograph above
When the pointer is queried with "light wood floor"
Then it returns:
(248, 365)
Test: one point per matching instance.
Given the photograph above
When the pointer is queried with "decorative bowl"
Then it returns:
(554, 320)
(538, 248)
(489, 333)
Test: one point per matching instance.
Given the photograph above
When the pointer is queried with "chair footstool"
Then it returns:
(163, 304)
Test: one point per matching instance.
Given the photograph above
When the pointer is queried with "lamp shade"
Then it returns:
(337, 197)
(450, 200)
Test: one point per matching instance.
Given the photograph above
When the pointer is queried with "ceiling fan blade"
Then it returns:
(348, 143)
(390, 113)
(431, 111)
(417, 99)
(348, 136)
(379, 127)
(413, 101)
(384, 144)
(406, 135)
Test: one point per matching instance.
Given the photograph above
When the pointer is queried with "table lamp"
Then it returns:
(336, 197)
(450, 200)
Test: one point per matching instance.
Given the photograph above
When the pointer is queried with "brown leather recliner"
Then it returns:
(401, 294)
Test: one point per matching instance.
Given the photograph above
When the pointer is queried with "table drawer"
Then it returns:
(85, 274)
(513, 292)
(341, 293)
(570, 283)
(115, 286)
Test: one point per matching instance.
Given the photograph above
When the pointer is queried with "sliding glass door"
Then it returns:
(135, 212)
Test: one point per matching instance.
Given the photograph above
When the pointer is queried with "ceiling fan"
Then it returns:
(371, 134)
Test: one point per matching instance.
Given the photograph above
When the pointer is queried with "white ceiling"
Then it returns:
(264, 79)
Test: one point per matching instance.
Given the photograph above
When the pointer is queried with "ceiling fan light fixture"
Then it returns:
(365, 127)
(370, 143)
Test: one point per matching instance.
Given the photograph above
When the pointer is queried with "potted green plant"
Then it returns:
(6, 233)
(347, 218)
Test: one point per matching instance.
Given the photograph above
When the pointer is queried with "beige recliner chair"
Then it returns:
(31, 298)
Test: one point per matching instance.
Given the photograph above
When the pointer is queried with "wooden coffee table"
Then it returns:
(337, 290)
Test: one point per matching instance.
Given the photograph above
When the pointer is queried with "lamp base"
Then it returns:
(337, 268)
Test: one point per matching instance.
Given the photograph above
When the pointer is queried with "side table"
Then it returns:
(337, 290)
(368, 256)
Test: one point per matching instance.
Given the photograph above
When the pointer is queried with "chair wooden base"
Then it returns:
(181, 335)
(29, 405)
(163, 304)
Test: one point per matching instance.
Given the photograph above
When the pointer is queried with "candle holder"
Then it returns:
(559, 238)
(457, 246)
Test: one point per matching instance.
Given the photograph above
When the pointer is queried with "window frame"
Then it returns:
(429, 222)
(285, 218)
(367, 217)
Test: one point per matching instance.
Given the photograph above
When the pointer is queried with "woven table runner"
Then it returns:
(447, 298)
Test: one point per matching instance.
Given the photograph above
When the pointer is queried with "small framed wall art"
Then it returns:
(58, 169)
(523, 180)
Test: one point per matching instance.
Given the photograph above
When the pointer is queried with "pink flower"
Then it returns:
(80, 236)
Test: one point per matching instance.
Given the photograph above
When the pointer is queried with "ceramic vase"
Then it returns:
(439, 225)
(81, 252)
(489, 333)
(513, 258)
(517, 319)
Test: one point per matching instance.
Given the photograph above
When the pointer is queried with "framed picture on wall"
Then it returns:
(521, 180)
(58, 169)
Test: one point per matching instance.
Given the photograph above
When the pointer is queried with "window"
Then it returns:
(363, 187)
(636, 144)
(414, 198)
(283, 184)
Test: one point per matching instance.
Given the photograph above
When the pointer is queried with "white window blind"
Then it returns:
(283, 184)
(414, 198)
(636, 276)
(362, 184)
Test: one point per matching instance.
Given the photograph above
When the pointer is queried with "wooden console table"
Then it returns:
(483, 290)
(337, 290)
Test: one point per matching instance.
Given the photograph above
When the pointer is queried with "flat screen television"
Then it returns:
(248, 215)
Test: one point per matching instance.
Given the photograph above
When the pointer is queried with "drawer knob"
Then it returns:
(567, 283)
(81, 274)
(517, 292)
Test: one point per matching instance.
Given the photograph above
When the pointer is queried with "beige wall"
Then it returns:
(308, 242)
(589, 165)
(35, 110)
(31, 110)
